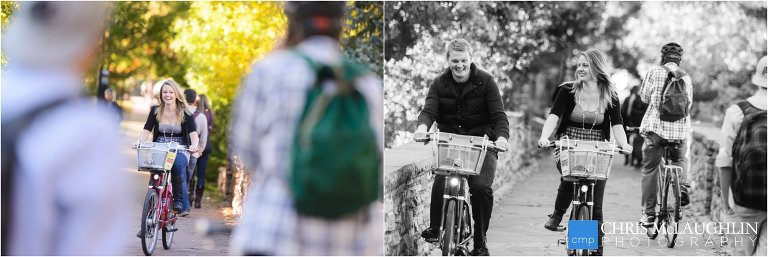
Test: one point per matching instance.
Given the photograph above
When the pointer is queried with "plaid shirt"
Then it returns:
(265, 117)
(650, 92)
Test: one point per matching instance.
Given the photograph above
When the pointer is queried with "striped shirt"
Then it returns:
(264, 120)
(650, 92)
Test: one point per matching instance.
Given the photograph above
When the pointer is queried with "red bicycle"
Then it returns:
(157, 158)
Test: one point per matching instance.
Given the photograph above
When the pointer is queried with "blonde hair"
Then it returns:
(458, 45)
(181, 103)
(598, 68)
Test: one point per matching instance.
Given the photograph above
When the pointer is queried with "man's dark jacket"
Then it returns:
(471, 108)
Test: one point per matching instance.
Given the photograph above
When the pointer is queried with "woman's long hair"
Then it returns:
(205, 105)
(598, 68)
(181, 103)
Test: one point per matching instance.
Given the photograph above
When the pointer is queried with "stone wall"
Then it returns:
(408, 184)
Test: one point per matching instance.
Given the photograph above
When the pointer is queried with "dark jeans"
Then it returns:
(652, 154)
(179, 180)
(202, 164)
(565, 196)
(481, 198)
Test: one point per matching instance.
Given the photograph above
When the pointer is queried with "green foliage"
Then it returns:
(362, 38)
(7, 10)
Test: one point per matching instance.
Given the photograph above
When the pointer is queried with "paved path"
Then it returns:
(186, 240)
(517, 227)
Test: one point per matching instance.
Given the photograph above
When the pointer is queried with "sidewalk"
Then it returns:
(186, 240)
(517, 226)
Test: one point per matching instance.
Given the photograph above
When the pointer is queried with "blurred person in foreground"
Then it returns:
(742, 162)
(465, 100)
(270, 119)
(62, 189)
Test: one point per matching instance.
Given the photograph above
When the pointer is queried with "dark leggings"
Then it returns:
(565, 195)
(202, 163)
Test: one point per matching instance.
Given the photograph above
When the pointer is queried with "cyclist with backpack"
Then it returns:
(465, 100)
(668, 91)
(742, 162)
(309, 122)
(63, 190)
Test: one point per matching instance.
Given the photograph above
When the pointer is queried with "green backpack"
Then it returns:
(335, 161)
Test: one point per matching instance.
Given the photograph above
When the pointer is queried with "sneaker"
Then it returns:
(647, 220)
(481, 251)
(177, 207)
(684, 195)
(430, 235)
(184, 213)
(138, 234)
(553, 222)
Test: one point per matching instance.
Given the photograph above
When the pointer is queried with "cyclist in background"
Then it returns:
(656, 131)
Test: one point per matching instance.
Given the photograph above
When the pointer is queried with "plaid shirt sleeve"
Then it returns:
(731, 124)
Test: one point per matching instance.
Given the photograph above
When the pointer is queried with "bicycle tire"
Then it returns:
(672, 210)
(148, 244)
(583, 214)
(449, 243)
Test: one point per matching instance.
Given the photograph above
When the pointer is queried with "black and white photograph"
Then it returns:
(575, 128)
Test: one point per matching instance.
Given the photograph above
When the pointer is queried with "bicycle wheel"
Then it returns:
(449, 243)
(672, 210)
(583, 215)
(168, 231)
(149, 221)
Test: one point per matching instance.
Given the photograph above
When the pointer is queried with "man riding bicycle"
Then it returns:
(465, 100)
(658, 129)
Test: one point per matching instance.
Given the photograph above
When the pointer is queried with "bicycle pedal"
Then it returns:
(561, 241)
(432, 240)
(172, 229)
(561, 228)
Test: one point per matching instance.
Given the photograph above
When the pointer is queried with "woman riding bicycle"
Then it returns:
(171, 121)
(590, 111)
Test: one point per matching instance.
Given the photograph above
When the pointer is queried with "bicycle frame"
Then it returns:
(160, 180)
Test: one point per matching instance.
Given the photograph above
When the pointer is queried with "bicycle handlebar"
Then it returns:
(558, 143)
(428, 139)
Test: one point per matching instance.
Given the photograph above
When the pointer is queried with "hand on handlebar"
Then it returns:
(501, 143)
(625, 149)
(543, 142)
(420, 135)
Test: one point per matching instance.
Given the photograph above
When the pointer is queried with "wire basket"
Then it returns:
(156, 156)
(459, 154)
(586, 159)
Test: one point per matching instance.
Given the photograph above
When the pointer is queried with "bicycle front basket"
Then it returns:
(153, 156)
(461, 154)
(586, 160)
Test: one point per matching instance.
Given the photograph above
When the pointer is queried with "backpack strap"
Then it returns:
(12, 129)
(746, 107)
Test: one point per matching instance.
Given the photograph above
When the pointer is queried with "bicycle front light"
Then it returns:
(454, 181)
(584, 188)
(156, 177)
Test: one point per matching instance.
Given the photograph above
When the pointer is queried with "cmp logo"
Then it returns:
(582, 234)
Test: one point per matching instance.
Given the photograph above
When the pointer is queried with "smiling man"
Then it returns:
(465, 100)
